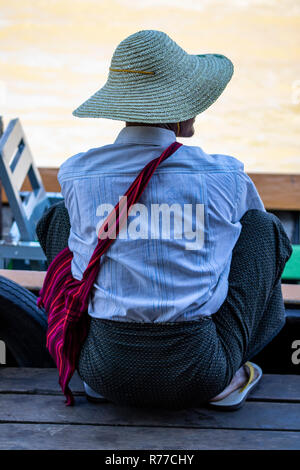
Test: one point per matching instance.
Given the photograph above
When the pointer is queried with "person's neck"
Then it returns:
(171, 127)
(164, 126)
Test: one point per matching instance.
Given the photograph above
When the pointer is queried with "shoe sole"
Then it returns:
(238, 405)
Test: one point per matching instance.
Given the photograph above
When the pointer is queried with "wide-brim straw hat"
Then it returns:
(152, 79)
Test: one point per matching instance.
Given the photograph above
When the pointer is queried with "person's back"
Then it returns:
(171, 262)
(163, 318)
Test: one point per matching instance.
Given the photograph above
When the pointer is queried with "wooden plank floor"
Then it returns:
(33, 416)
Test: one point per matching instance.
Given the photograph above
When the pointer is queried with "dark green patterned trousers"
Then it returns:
(184, 364)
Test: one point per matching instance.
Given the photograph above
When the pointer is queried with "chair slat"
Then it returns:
(290, 292)
(10, 140)
(22, 167)
(17, 163)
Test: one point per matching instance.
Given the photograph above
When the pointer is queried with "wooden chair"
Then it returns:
(16, 163)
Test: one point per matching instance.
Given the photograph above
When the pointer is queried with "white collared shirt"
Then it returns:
(163, 268)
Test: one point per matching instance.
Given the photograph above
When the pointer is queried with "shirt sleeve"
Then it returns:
(247, 196)
(66, 186)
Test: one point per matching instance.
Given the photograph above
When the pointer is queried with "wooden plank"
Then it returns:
(45, 381)
(35, 380)
(34, 280)
(275, 387)
(49, 177)
(29, 279)
(278, 191)
(291, 293)
(52, 409)
(60, 437)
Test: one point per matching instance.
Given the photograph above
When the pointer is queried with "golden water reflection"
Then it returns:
(55, 54)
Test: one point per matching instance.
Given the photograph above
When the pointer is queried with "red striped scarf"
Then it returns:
(66, 299)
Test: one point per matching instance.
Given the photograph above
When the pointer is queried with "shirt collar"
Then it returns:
(146, 135)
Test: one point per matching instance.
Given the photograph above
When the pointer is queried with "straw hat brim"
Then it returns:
(155, 101)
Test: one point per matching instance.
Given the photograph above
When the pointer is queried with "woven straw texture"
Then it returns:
(152, 79)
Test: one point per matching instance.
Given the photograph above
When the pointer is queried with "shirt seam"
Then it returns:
(169, 170)
(238, 196)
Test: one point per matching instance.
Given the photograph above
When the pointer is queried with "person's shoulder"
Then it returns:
(79, 163)
(212, 161)
(69, 165)
(228, 161)
(70, 160)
